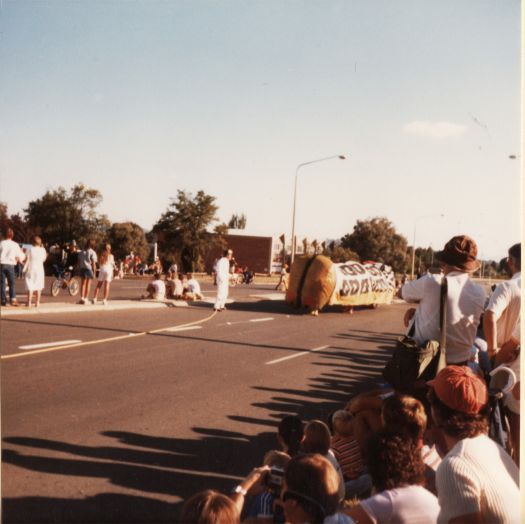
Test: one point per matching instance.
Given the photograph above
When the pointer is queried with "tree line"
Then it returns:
(187, 229)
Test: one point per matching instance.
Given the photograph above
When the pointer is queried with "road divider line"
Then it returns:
(49, 344)
(103, 340)
(266, 319)
(190, 328)
(295, 355)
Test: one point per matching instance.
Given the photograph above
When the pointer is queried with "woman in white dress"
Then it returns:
(34, 271)
(105, 273)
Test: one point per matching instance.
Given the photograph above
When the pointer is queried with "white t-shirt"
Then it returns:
(465, 303)
(505, 303)
(477, 475)
(10, 251)
(160, 288)
(409, 504)
(194, 286)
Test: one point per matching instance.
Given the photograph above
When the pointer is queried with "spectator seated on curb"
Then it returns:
(263, 508)
(396, 468)
(366, 410)
(290, 434)
(348, 455)
(477, 481)
(317, 440)
(405, 416)
(192, 289)
(156, 289)
(209, 507)
(310, 492)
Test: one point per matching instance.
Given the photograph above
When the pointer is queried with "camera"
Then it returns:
(274, 479)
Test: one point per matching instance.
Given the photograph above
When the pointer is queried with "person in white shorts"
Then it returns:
(105, 273)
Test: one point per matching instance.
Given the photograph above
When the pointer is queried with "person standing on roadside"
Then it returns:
(223, 277)
(10, 255)
(34, 271)
(87, 263)
(503, 310)
(105, 274)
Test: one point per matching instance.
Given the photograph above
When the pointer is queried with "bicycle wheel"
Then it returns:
(55, 286)
(73, 286)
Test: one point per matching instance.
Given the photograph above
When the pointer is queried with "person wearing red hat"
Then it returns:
(477, 481)
(465, 300)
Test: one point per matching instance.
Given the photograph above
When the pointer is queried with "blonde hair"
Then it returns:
(342, 423)
(275, 458)
(104, 255)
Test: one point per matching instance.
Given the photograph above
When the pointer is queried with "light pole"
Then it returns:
(414, 243)
(341, 157)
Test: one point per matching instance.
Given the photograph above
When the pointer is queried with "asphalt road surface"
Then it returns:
(113, 415)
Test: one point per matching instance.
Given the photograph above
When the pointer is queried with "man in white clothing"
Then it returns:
(477, 481)
(222, 270)
(465, 300)
(503, 310)
(10, 255)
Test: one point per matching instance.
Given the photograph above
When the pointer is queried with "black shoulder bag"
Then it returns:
(411, 366)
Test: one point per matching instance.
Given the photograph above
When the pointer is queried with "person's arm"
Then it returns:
(359, 515)
(491, 332)
(254, 479)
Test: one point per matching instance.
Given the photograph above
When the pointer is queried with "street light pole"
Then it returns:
(341, 157)
(414, 242)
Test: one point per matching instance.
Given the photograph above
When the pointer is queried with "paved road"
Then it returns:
(138, 414)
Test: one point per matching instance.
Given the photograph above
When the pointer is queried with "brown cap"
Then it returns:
(460, 253)
(459, 388)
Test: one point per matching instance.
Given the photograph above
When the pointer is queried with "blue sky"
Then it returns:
(140, 99)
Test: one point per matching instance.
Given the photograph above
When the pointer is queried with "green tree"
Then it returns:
(23, 231)
(340, 254)
(237, 222)
(183, 228)
(377, 239)
(125, 237)
(59, 216)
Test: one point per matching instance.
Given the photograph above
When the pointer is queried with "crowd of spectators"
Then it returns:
(396, 457)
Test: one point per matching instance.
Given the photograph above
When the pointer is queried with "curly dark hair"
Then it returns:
(458, 424)
(394, 461)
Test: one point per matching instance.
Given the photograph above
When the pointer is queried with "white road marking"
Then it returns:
(295, 355)
(269, 296)
(49, 344)
(265, 319)
(182, 328)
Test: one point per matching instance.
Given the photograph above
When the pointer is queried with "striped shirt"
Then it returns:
(348, 454)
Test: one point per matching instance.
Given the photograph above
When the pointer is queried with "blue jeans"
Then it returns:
(7, 271)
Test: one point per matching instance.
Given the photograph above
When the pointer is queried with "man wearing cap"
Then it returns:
(465, 299)
(477, 481)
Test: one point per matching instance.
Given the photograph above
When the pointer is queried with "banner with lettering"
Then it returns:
(362, 284)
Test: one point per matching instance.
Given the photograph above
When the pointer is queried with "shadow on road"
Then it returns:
(158, 467)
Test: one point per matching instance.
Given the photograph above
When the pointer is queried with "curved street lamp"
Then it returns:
(414, 243)
(341, 157)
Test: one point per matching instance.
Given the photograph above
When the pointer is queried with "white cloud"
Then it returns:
(434, 129)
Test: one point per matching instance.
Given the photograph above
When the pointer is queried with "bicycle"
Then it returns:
(64, 279)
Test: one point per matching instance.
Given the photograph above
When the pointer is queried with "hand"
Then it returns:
(255, 478)
(408, 316)
(508, 352)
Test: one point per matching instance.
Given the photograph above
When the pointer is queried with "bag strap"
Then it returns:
(443, 314)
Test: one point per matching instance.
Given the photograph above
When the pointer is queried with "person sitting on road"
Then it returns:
(290, 434)
(317, 439)
(193, 289)
(310, 492)
(156, 289)
(396, 468)
(263, 507)
(477, 481)
(209, 507)
(348, 455)
(406, 416)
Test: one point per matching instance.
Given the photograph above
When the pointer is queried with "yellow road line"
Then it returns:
(103, 340)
